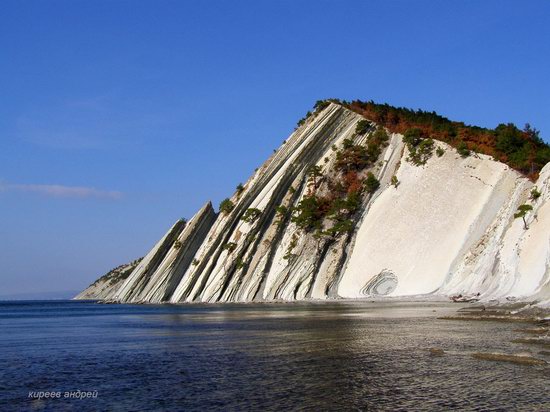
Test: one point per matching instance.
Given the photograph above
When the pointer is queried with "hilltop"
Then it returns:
(522, 149)
(397, 203)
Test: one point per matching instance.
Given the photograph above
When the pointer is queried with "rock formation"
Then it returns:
(346, 209)
(105, 287)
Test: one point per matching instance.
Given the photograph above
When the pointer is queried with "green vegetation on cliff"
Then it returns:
(522, 149)
(226, 206)
(119, 273)
(346, 184)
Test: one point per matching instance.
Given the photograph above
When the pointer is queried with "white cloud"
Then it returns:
(62, 191)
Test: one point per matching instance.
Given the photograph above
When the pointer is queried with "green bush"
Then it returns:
(419, 155)
(321, 104)
(376, 143)
(314, 173)
(340, 227)
(413, 136)
(281, 213)
(523, 150)
(251, 215)
(463, 150)
(380, 136)
(303, 119)
(371, 183)
(420, 147)
(226, 206)
(512, 142)
(439, 151)
(308, 214)
(352, 158)
(542, 157)
(229, 246)
(344, 206)
(240, 188)
(347, 143)
(535, 194)
(508, 138)
(522, 212)
(362, 127)
(291, 246)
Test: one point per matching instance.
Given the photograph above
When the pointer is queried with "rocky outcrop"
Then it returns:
(423, 228)
(106, 286)
(158, 274)
(340, 211)
(509, 260)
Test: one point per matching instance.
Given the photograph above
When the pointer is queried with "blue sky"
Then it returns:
(119, 117)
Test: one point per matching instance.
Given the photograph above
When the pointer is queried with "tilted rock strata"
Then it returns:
(106, 286)
(447, 227)
(156, 278)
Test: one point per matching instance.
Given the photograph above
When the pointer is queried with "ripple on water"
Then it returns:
(268, 357)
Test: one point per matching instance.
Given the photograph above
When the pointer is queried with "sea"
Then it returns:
(315, 356)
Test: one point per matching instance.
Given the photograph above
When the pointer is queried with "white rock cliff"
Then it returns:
(447, 227)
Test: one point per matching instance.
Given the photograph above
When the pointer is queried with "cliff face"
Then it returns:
(106, 286)
(341, 211)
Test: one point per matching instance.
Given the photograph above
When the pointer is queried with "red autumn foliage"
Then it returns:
(527, 153)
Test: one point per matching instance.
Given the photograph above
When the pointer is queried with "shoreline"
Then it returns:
(491, 310)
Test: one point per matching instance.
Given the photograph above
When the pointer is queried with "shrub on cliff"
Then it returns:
(463, 150)
(380, 136)
(339, 227)
(413, 136)
(229, 246)
(523, 150)
(310, 212)
(352, 157)
(420, 147)
(522, 212)
(226, 206)
(362, 127)
(239, 263)
(541, 158)
(303, 119)
(281, 213)
(376, 143)
(314, 174)
(371, 183)
(508, 138)
(251, 215)
(535, 193)
(321, 104)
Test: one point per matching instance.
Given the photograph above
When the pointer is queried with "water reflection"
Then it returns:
(313, 356)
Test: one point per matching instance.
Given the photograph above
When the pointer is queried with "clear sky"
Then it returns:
(119, 117)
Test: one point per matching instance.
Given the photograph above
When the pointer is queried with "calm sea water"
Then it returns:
(330, 356)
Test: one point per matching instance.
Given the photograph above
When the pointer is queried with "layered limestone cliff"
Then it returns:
(106, 286)
(340, 211)
(159, 273)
